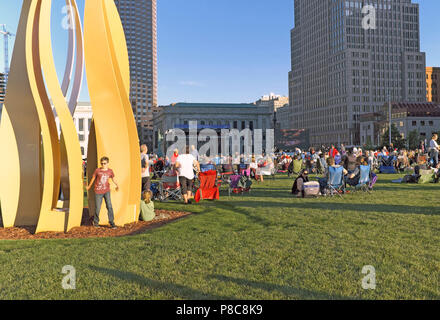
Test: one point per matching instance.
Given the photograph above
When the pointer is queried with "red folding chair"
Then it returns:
(209, 190)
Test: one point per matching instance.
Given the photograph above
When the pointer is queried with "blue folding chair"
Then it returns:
(364, 179)
(336, 180)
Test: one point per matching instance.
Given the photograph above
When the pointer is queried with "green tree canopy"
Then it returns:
(396, 137)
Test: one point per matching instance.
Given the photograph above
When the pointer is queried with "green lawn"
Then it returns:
(266, 245)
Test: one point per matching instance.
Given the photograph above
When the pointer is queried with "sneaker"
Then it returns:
(95, 225)
(113, 226)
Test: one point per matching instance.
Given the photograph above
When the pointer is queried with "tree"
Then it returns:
(396, 138)
(413, 139)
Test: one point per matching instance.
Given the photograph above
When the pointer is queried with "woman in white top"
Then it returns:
(185, 164)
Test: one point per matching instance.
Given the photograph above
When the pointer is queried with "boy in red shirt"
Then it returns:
(102, 176)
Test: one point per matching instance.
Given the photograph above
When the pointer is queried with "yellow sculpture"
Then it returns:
(36, 163)
(108, 78)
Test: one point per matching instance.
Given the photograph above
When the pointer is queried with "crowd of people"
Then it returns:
(299, 164)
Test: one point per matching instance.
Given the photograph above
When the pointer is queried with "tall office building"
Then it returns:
(139, 20)
(344, 65)
(433, 84)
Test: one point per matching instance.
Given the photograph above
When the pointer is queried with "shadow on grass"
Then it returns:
(288, 291)
(178, 291)
(343, 206)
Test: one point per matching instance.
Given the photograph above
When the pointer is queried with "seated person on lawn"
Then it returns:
(352, 179)
(298, 185)
(323, 182)
(147, 206)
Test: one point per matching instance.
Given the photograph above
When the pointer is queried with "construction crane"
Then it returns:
(6, 35)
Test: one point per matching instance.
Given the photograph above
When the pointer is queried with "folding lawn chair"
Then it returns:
(209, 189)
(364, 179)
(169, 187)
(239, 184)
(226, 172)
(336, 180)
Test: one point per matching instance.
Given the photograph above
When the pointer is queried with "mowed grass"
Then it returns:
(266, 245)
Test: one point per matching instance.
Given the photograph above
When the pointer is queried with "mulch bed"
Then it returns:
(88, 231)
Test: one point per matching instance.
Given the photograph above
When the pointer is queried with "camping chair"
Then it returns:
(208, 187)
(387, 165)
(336, 180)
(239, 184)
(169, 187)
(226, 172)
(364, 179)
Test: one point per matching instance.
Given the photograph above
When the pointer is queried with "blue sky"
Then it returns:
(220, 51)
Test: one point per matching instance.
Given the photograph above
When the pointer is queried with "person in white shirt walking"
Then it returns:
(145, 163)
(434, 149)
(185, 164)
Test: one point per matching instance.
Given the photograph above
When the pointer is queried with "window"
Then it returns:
(80, 124)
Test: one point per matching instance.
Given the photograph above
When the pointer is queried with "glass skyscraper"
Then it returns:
(139, 19)
(343, 67)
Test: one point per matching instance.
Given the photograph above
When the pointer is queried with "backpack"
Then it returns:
(427, 178)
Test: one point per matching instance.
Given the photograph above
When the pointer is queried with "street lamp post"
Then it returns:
(389, 110)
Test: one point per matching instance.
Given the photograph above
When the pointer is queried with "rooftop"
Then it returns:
(415, 109)
(212, 105)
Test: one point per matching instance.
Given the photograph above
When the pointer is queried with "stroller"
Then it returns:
(155, 191)
(159, 169)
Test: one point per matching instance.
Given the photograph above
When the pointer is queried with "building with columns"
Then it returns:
(214, 116)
